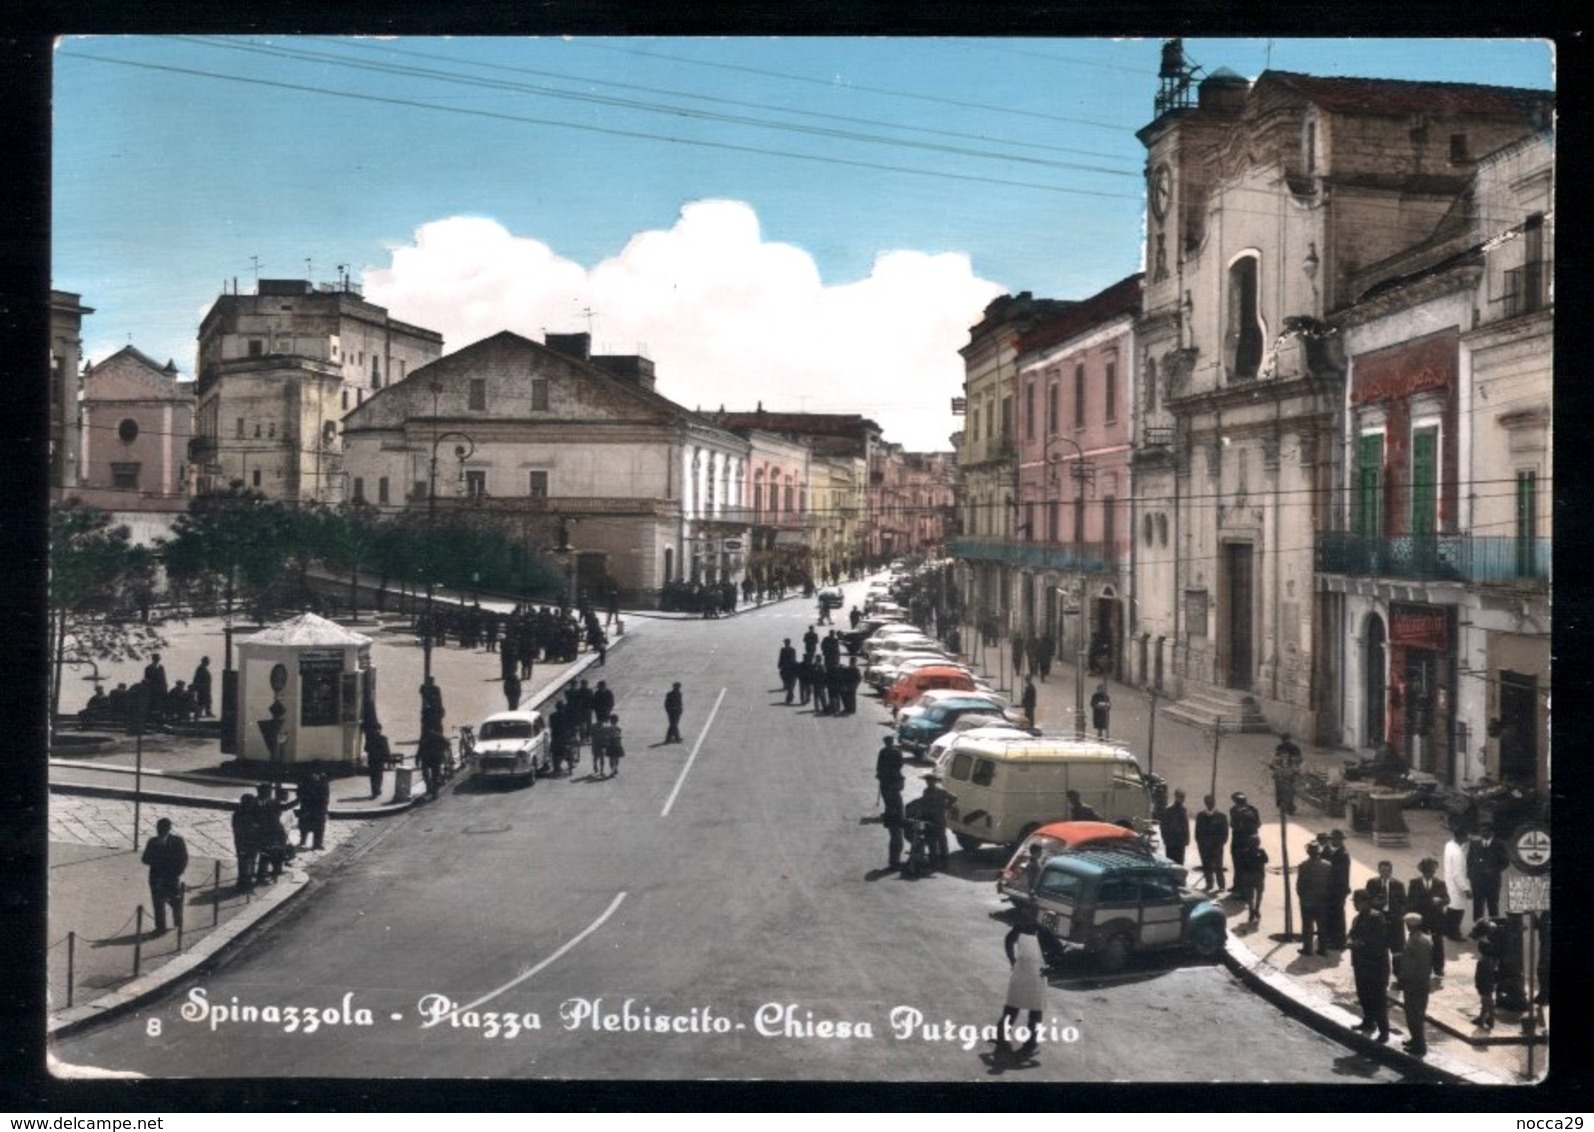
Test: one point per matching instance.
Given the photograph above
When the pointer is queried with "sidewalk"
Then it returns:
(1320, 989)
(98, 962)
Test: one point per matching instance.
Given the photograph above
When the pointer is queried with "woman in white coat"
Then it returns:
(1026, 988)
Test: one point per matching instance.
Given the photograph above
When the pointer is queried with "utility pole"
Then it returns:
(1217, 735)
(1151, 736)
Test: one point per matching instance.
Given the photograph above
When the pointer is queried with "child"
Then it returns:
(1255, 865)
(1484, 979)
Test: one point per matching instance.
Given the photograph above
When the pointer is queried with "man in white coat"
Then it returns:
(1456, 882)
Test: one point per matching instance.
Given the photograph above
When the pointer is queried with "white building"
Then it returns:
(547, 440)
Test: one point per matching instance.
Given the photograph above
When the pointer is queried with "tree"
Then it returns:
(96, 573)
(235, 540)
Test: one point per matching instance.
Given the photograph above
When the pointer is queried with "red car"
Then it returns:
(1023, 868)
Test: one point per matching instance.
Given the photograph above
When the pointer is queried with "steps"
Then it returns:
(1205, 708)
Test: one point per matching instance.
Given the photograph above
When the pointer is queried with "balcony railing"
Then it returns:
(1527, 288)
(1454, 558)
(1085, 557)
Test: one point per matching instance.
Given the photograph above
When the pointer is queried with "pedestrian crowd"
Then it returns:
(817, 675)
(152, 701)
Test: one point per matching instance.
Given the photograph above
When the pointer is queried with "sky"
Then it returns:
(810, 223)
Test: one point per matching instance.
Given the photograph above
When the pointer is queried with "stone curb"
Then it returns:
(199, 958)
(208, 951)
(1335, 1021)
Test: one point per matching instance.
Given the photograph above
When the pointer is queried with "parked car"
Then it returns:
(884, 673)
(919, 732)
(914, 683)
(1114, 903)
(513, 745)
(933, 696)
(1017, 879)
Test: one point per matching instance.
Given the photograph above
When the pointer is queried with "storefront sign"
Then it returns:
(1400, 371)
(1420, 626)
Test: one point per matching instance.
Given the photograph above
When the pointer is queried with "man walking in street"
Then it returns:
(431, 752)
(315, 798)
(167, 858)
(1311, 887)
(786, 665)
(1100, 710)
(1389, 897)
(888, 773)
(201, 687)
(1211, 834)
(1029, 701)
(512, 690)
(672, 712)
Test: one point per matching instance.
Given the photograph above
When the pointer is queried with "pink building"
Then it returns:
(1073, 493)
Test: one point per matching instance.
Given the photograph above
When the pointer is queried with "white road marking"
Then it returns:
(524, 975)
(681, 779)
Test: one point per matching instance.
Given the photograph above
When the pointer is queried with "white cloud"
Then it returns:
(727, 317)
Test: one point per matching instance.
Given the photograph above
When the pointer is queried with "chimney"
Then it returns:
(627, 367)
(577, 346)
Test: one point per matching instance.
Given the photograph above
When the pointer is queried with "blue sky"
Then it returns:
(813, 223)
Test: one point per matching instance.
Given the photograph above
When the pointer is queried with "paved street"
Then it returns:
(716, 910)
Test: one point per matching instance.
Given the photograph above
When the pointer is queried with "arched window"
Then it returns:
(1243, 335)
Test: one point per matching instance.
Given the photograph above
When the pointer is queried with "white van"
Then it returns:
(1006, 786)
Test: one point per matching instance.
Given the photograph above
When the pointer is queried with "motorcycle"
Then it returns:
(920, 861)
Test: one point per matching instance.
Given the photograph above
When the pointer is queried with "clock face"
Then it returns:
(1160, 191)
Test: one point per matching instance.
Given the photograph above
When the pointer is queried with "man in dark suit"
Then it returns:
(1369, 958)
(1211, 832)
(1245, 822)
(888, 773)
(1389, 897)
(1311, 886)
(672, 712)
(1486, 861)
(1414, 966)
(1175, 824)
(1338, 889)
(167, 858)
(786, 665)
(1427, 896)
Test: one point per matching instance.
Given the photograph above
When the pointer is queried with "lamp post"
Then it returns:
(1081, 473)
(462, 452)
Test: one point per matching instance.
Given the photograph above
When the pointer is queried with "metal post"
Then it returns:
(1151, 738)
(138, 937)
(71, 960)
(215, 893)
(1530, 1021)
(1288, 934)
(140, 706)
(1079, 673)
(1217, 734)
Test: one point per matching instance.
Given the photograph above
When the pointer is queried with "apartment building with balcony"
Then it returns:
(986, 498)
(1270, 199)
(1073, 551)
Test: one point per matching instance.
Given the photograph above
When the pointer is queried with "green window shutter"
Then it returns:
(1424, 481)
(1368, 515)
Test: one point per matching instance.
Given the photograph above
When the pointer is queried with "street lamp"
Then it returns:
(1076, 599)
(1082, 473)
(462, 452)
